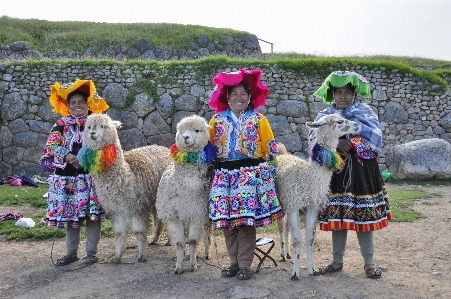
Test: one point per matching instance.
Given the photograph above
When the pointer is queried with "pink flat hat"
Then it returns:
(223, 80)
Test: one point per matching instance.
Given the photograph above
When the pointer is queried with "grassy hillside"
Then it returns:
(45, 36)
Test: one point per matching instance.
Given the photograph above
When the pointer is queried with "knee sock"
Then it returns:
(338, 245)
(366, 242)
(72, 240)
(93, 229)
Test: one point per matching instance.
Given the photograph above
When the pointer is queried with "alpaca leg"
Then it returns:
(158, 227)
(140, 227)
(176, 231)
(310, 219)
(194, 233)
(281, 226)
(284, 235)
(294, 224)
(207, 240)
(287, 239)
(120, 226)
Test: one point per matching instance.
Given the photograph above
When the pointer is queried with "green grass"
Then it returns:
(401, 201)
(46, 36)
(23, 196)
(32, 197)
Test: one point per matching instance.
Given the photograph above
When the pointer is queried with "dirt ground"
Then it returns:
(415, 258)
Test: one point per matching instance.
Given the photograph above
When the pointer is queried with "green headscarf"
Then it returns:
(339, 79)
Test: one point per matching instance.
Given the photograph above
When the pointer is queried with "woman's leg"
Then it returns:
(93, 229)
(338, 245)
(247, 236)
(366, 242)
(231, 241)
(72, 240)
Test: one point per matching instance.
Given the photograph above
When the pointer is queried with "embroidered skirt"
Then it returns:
(243, 193)
(70, 200)
(358, 199)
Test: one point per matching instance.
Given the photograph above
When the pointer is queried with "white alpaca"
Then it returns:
(182, 197)
(127, 187)
(303, 186)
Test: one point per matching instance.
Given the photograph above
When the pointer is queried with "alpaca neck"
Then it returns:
(327, 158)
(206, 156)
(97, 161)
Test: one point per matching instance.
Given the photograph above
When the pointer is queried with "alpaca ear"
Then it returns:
(315, 125)
(117, 124)
(209, 127)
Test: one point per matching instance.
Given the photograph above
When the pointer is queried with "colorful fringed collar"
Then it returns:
(97, 161)
(332, 160)
(198, 158)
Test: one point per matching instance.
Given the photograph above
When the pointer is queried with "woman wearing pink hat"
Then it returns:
(243, 194)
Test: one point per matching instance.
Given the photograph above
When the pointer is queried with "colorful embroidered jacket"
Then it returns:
(60, 142)
(256, 139)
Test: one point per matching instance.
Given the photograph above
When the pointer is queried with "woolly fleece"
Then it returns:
(182, 196)
(127, 190)
(303, 186)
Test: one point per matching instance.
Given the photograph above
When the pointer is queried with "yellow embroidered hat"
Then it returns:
(59, 93)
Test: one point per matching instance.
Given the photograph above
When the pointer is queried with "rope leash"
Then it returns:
(348, 172)
(217, 256)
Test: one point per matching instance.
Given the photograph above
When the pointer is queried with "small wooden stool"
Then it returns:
(263, 242)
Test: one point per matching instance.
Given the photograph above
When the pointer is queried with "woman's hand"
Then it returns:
(344, 146)
(73, 160)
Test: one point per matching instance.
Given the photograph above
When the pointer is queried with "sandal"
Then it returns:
(373, 272)
(244, 274)
(90, 259)
(66, 260)
(329, 269)
(230, 271)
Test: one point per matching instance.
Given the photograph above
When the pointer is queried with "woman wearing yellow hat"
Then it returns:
(71, 198)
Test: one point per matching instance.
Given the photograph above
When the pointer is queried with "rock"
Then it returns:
(420, 159)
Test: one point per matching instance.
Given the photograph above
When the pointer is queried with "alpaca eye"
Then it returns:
(197, 131)
(340, 121)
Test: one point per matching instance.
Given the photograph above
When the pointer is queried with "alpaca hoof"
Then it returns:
(153, 243)
(114, 260)
(193, 269)
(288, 256)
(178, 271)
(295, 277)
(208, 256)
(168, 243)
(282, 259)
(141, 259)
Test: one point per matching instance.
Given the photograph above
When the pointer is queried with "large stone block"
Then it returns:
(420, 159)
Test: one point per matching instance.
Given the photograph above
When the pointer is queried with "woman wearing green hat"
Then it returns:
(358, 199)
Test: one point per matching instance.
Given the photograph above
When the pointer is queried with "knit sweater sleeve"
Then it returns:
(54, 152)
(268, 144)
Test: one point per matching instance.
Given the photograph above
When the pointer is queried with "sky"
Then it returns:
(327, 28)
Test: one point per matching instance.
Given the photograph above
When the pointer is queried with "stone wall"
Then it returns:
(149, 100)
(247, 47)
